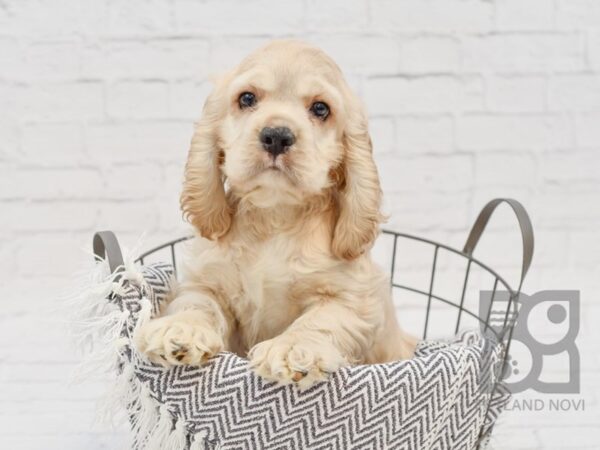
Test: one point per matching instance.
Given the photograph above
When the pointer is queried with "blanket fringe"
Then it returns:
(199, 441)
(146, 417)
(158, 439)
(178, 438)
(97, 326)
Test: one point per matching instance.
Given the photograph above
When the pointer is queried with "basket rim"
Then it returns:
(499, 335)
(453, 250)
(142, 256)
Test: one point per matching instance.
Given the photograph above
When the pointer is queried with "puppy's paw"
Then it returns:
(184, 338)
(290, 359)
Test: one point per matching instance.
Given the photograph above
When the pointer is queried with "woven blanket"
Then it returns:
(446, 397)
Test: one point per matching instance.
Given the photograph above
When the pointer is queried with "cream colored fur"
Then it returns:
(281, 272)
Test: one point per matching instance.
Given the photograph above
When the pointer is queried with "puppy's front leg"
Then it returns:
(193, 329)
(324, 338)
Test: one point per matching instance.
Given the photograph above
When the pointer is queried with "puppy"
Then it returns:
(281, 185)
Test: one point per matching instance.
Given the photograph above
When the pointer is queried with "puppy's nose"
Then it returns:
(277, 140)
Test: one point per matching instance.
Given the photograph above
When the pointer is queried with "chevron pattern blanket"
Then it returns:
(447, 397)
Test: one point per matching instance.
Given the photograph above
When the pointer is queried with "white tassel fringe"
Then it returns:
(97, 325)
(199, 441)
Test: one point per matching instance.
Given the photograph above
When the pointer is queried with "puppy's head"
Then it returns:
(279, 129)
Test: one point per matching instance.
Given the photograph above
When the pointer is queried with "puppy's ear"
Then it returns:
(359, 198)
(203, 200)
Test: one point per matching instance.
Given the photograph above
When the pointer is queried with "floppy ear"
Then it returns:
(359, 198)
(203, 200)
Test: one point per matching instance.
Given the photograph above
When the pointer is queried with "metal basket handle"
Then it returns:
(524, 224)
(107, 246)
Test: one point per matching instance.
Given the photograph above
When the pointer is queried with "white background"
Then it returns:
(468, 99)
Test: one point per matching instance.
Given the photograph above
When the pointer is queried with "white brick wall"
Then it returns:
(469, 99)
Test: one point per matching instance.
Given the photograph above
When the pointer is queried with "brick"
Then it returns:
(8, 98)
(472, 94)
(236, 17)
(138, 217)
(57, 392)
(138, 180)
(582, 437)
(6, 19)
(567, 278)
(53, 144)
(501, 169)
(48, 183)
(516, 93)
(430, 54)
(425, 134)
(362, 54)
(552, 248)
(580, 244)
(575, 92)
(62, 101)
(138, 100)
(355, 81)
(587, 130)
(578, 14)
(91, 440)
(9, 190)
(48, 255)
(447, 173)
(28, 324)
(513, 132)
(155, 58)
(48, 216)
(186, 99)
(433, 15)
(170, 218)
(523, 52)
(12, 58)
(46, 422)
(73, 18)
(382, 134)
(401, 95)
(52, 60)
(109, 143)
(33, 371)
(588, 322)
(173, 174)
(9, 142)
(139, 17)
(560, 209)
(33, 406)
(531, 15)
(432, 213)
(7, 257)
(514, 439)
(226, 52)
(24, 296)
(570, 168)
(353, 15)
(593, 49)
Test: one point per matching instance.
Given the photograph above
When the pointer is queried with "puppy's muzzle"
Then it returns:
(277, 140)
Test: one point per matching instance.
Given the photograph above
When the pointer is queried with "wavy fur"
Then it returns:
(284, 273)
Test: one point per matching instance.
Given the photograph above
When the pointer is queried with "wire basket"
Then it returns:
(498, 326)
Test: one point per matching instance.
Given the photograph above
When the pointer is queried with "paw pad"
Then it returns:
(183, 338)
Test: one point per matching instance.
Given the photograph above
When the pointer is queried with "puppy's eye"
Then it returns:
(320, 110)
(247, 100)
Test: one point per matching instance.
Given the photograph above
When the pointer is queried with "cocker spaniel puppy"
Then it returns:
(281, 185)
